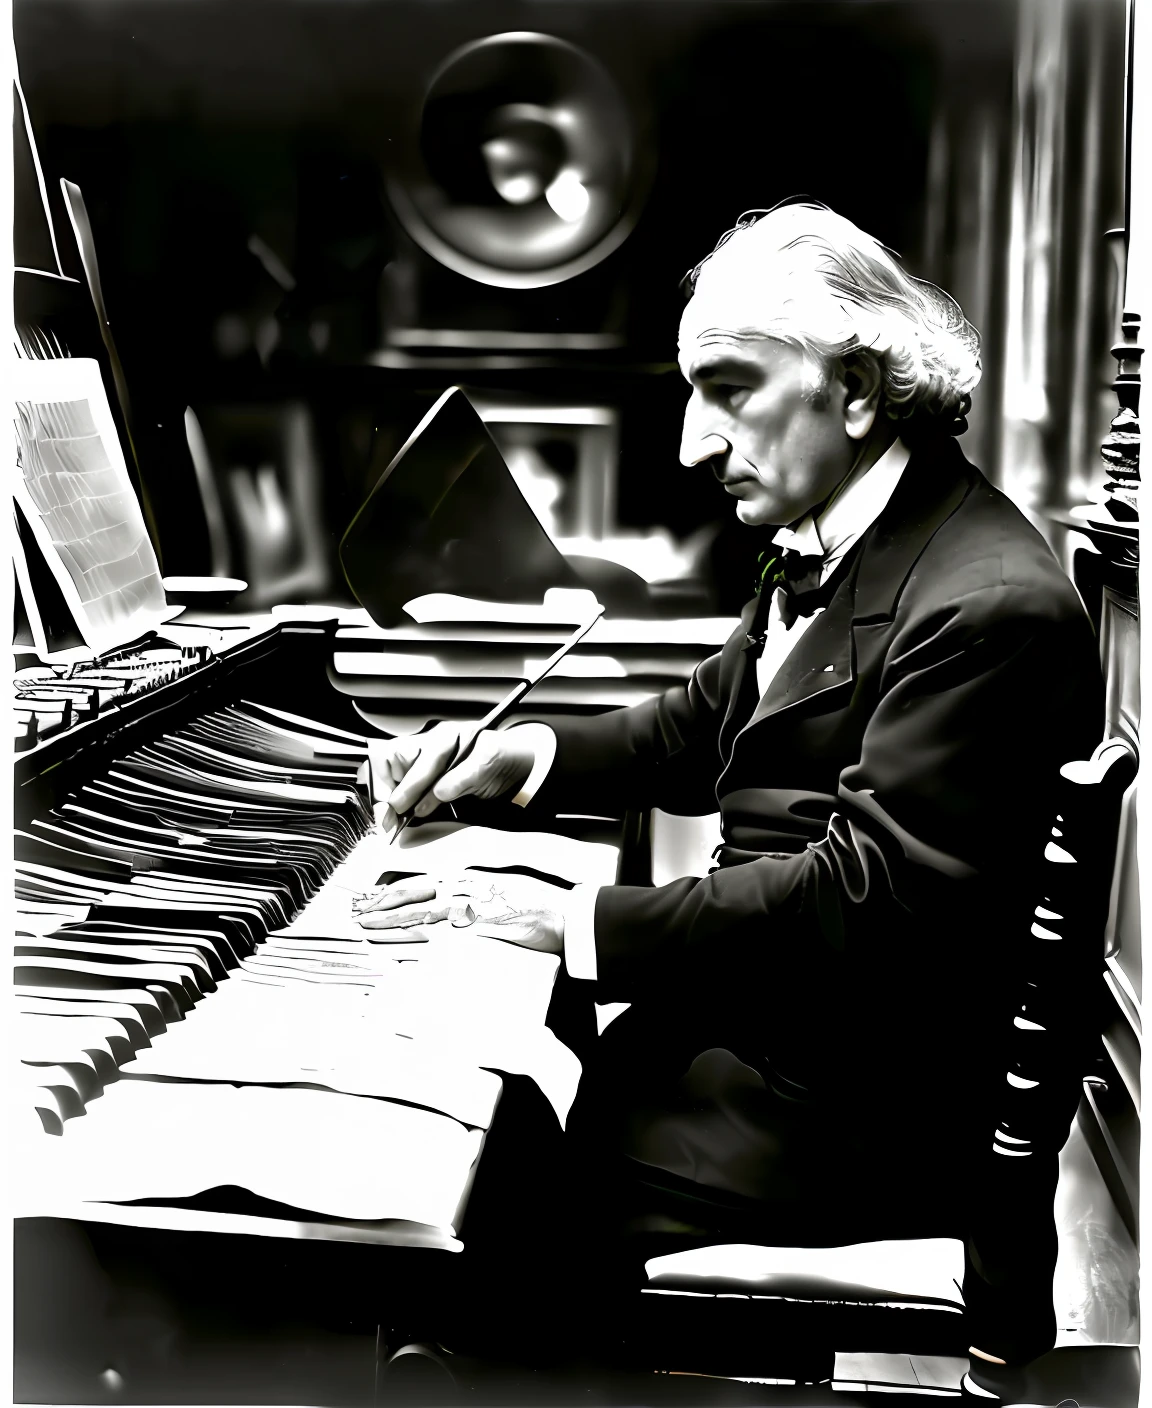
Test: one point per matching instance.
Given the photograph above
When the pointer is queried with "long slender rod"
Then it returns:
(499, 712)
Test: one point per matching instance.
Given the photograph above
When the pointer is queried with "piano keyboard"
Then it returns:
(147, 886)
(51, 699)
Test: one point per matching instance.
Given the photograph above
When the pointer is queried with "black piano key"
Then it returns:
(103, 949)
(235, 928)
(80, 972)
(218, 952)
(84, 862)
(155, 855)
(222, 830)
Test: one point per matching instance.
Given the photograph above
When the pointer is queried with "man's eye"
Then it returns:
(727, 392)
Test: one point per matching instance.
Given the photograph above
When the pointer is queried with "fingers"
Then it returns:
(420, 767)
(401, 758)
(401, 912)
(418, 890)
(472, 778)
(408, 927)
(395, 936)
(393, 896)
(384, 759)
(404, 918)
(496, 762)
(427, 805)
(422, 774)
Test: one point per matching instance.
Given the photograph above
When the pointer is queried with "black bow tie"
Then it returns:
(797, 575)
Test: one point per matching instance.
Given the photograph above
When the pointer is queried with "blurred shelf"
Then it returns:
(499, 340)
(396, 360)
(430, 693)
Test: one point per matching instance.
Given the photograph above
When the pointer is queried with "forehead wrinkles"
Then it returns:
(746, 290)
(708, 337)
(694, 347)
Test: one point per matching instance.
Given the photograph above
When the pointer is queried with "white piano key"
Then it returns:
(145, 1004)
(78, 1067)
(46, 1038)
(55, 1085)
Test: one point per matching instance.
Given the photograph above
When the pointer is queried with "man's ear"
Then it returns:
(863, 388)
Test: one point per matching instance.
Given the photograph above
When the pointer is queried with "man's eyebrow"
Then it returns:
(716, 368)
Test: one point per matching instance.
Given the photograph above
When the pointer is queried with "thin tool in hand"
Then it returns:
(500, 711)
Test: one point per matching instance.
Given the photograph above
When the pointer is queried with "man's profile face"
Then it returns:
(768, 422)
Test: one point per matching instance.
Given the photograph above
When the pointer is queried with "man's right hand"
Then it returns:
(416, 769)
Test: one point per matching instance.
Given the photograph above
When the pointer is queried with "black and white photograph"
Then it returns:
(576, 701)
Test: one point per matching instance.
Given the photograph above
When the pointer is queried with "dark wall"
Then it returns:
(193, 126)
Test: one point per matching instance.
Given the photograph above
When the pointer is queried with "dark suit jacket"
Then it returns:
(855, 953)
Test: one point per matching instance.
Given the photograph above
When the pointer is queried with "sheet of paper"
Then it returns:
(482, 1000)
(340, 1155)
(75, 492)
(246, 1039)
(473, 1002)
(456, 979)
(449, 848)
(321, 1004)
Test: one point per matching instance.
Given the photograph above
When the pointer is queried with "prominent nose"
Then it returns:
(699, 441)
(695, 448)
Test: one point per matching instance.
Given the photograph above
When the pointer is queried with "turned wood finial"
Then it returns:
(1121, 447)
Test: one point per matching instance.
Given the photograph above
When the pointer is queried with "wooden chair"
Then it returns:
(740, 1310)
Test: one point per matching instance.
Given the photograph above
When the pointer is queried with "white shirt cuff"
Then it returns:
(543, 742)
(580, 932)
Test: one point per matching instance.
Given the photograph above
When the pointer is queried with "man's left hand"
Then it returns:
(514, 908)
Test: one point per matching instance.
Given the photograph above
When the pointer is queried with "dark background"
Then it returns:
(191, 127)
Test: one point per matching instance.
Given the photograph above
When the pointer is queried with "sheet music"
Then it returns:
(75, 492)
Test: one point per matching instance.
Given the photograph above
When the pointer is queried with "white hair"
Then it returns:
(805, 275)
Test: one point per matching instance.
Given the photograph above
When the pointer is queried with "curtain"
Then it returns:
(1025, 177)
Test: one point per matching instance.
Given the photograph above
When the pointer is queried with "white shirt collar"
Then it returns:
(855, 505)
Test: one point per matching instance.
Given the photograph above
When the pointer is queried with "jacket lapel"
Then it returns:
(822, 659)
(735, 669)
(828, 655)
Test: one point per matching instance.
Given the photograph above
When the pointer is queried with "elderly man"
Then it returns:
(817, 1025)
